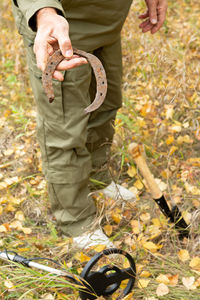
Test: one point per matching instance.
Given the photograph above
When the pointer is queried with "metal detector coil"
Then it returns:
(93, 284)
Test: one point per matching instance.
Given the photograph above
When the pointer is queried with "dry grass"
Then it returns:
(161, 91)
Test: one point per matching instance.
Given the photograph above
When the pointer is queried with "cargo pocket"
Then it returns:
(63, 161)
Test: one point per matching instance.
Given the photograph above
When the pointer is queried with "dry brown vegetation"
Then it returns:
(161, 91)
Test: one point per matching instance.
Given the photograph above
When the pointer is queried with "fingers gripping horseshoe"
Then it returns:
(97, 67)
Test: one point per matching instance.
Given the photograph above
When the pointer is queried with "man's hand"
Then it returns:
(155, 15)
(53, 33)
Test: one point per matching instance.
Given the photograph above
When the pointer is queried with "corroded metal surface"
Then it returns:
(97, 67)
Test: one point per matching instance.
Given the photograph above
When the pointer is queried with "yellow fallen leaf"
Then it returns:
(26, 230)
(135, 226)
(8, 152)
(24, 249)
(128, 297)
(183, 255)
(33, 181)
(19, 216)
(175, 128)
(82, 257)
(3, 185)
(154, 231)
(138, 184)
(16, 201)
(143, 283)
(145, 217)
(11, 180)
(116, 216)
(10, 208)
(194, 161)
(132, 171)
(8, 284)
(195, 263)
(3, 166)
(192, 189)
(188, 282)
(145, 274)
(186, 125)
(135, 191)
(108, 229)
(172, 150)
(156, 222)
(3, 228)
(133, 247)
(151, 246)
(166, 173)
(1, 209)
(141, 238)
(197, 282)
(47, 296)
(196, 203)
(162, 278)
(162, 185)
(129, 241)
(146, 108)
(186, 216)
(16, 225)
(162, 290)
(99, 248)
(173, 279)
(169, 140)
(184, 139)
(169, 111)
(126, 263)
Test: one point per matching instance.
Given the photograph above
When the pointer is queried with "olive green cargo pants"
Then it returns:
(74, 144)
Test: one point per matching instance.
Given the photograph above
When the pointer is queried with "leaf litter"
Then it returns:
(161, 92)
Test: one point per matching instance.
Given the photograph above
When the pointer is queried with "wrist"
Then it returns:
(43, 12)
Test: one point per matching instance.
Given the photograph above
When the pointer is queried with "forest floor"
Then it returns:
(161, 105)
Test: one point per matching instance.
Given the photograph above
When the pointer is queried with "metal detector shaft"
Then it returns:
(20, 259)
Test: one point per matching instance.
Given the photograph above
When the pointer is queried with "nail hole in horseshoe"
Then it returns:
(102, 82)
(101, 94)
(47, 74)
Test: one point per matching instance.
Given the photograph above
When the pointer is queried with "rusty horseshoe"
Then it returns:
(98, 70)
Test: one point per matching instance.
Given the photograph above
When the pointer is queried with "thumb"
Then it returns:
(65, 45)
(153, 12)
(64, 41)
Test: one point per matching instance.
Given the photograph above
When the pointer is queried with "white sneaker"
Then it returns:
(118, 192)
(95, 238)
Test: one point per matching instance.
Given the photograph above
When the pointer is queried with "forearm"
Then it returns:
(29, 9)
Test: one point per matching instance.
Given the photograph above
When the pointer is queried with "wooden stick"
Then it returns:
(136, 152)
(173, 214)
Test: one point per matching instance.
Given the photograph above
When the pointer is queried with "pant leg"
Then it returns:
(62, 135)
(63, 132)
(101, 121)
